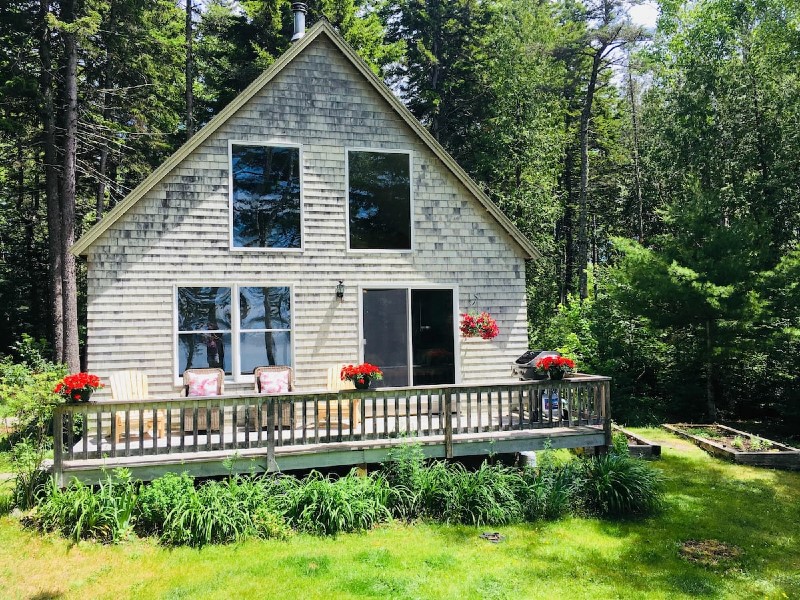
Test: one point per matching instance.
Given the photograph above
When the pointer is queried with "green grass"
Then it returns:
(756, 511)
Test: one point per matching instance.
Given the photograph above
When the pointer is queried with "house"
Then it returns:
(312, 222)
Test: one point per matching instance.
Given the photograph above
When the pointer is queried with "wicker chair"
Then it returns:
(202, 418)
(132, 385)
(286, 407)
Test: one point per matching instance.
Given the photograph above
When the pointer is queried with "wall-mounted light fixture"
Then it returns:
(340, 291)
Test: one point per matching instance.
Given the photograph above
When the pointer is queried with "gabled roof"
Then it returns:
(321, 28)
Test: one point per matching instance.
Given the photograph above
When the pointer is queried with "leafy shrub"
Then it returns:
(269, 524)
(327, 505)
(618, 485)
(619, 443)
(158, 499)
(26, 394)
(29, 479)
(79, 512)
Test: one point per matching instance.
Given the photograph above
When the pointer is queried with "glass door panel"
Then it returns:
(385, 322)
(432, 340)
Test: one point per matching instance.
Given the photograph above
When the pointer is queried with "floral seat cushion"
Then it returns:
(202, 384)
(274, 382)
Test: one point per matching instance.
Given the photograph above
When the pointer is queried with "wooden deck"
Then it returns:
(319, 429)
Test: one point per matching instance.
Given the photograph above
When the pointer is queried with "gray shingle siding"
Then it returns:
(178, 233)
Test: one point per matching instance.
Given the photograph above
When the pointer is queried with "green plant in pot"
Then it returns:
(555, 367)
(361, 375)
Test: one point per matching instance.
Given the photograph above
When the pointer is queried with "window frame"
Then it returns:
(410, 154)
(269, 143)
(236, 329)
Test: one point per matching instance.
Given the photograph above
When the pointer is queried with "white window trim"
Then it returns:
(235, 331)
(272, 143)
(410, 154)
(408, 287)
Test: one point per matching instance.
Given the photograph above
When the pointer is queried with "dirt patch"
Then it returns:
(709, 553)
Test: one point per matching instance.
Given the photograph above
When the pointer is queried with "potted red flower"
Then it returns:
(78, 387)
(482, 325)
(555, 366)
(361, 375)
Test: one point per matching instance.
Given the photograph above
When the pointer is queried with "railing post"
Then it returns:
(58, 445)
(270, 434)
(606, 399)
(448, 424)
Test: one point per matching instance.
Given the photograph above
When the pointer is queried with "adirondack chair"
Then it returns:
(132, 385)
(336, 384)
(286, 407)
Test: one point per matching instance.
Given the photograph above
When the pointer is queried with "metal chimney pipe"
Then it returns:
(299, 9)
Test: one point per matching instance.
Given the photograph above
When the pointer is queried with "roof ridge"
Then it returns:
(322, 26)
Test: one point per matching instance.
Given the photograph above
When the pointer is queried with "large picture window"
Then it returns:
(265, 196)
(379, 200)
(209, 336)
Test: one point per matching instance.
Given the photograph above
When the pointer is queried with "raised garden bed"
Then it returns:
(639, 446)
(739, 446)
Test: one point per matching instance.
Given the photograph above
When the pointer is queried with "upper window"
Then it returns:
(265, 196)
(208, 336)
(379, 200)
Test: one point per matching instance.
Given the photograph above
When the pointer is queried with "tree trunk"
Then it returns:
(107, 84)
(583, 201)
(51, 189)
(68, 184)
(711, 404)
(637, 173)
(189, 73)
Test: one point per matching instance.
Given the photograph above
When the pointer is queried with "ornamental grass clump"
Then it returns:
(617, 485)
(329, 505)
(449, 492)
(80, 512)
(488, 496)
(550, 491)
(225, 511)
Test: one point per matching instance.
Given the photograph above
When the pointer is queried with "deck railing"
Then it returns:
(108, 430)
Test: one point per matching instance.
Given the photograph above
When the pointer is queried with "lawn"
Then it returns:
(754, 513)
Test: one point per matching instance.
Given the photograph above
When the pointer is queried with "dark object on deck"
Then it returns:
(525, 366)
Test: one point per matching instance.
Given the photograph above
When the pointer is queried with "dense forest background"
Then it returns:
(657, 170)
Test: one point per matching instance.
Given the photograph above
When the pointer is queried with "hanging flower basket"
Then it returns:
(78, 387)
(482, 325)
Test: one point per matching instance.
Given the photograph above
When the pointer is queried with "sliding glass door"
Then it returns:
(409, 334)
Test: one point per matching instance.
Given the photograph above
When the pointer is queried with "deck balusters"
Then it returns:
(238, 422)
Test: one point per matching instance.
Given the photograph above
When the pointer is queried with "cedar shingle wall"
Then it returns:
(178, 234)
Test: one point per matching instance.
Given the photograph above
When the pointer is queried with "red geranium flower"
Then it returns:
(72, 386)
(360, 372)
(482, 325)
